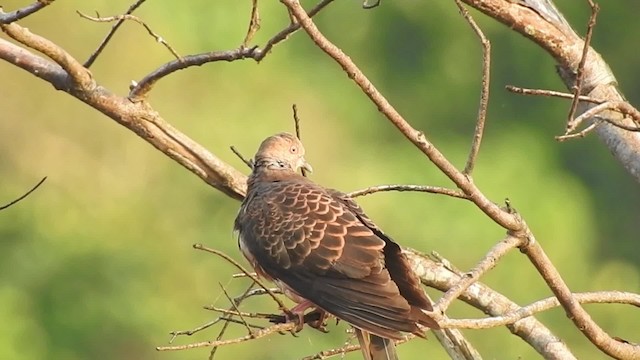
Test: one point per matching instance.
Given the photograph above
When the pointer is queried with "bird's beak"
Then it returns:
(306, 166)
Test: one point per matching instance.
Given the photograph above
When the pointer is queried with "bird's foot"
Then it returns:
(317, 319)
(297, 314)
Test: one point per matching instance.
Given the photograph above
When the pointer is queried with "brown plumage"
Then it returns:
(318, 245)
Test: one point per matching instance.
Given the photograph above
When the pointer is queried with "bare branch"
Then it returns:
(235, 307)
(257, 334)
(487, 263)
(550, 93)
(575, 312)
(24, 195)
(517, 228)
(621, 107)
(293, 27)
(249, 163)
(77, 73)
(254, 23)
(227, 322)
(107, 38)
(7, 18)
(296, 122)
(580, 134)
(281, 305)
(119, 18)
(600, 297)
(418, 138)
(541, 22)
(416, 188)
(484, 93)
(571, 122)
(438, 275)
(140, 90)
(326, 354)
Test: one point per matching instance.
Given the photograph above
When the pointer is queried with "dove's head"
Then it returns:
(281, 151)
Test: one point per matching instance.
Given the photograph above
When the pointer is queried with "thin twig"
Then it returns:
(241, 268)
(273, 329)
(293, 27)
(143, 87)
(103, 44)
(600, 297)
(326, 354)
(571, 125)
(619, 106)
(254, 23)
(551, 93)
(417, 188)
(241, 314)
(580, 134)
(296, 121)
(235, 307)
(174, 334)
(487, 263)
(119, 18)
(484, 93)
(249, 163)
(622, 107)
(7, 18)
(225, 326)
(255, 292)
(25, 194)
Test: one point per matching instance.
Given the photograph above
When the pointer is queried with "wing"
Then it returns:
(396, 262)
(315, 243)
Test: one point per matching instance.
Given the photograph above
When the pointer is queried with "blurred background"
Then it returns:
(98, 263)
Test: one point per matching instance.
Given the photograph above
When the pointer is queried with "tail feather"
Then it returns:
(375, 347)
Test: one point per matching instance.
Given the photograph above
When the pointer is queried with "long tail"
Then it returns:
(376, 348)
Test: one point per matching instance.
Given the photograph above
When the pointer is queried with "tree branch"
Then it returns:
(516, 227)
(7, 18)
(541, 22)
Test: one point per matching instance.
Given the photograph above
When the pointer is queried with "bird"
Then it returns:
(321, 249)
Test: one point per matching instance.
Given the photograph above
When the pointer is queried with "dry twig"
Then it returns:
(144, 86)
(24, 195)
(487, 263)
(416, 188)
(599, 297)
(254, 23)
(119, 18)
(571, 125)
(249, 163)
(296, 121)
(92, 58)
(7, 18)
(281, 305)
(484, 92)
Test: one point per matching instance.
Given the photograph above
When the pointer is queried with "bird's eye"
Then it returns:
(294, 149)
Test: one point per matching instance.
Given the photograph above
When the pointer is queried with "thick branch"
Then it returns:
(138, 117)
(79, 75)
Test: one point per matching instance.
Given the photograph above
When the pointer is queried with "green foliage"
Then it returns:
(98, 264)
